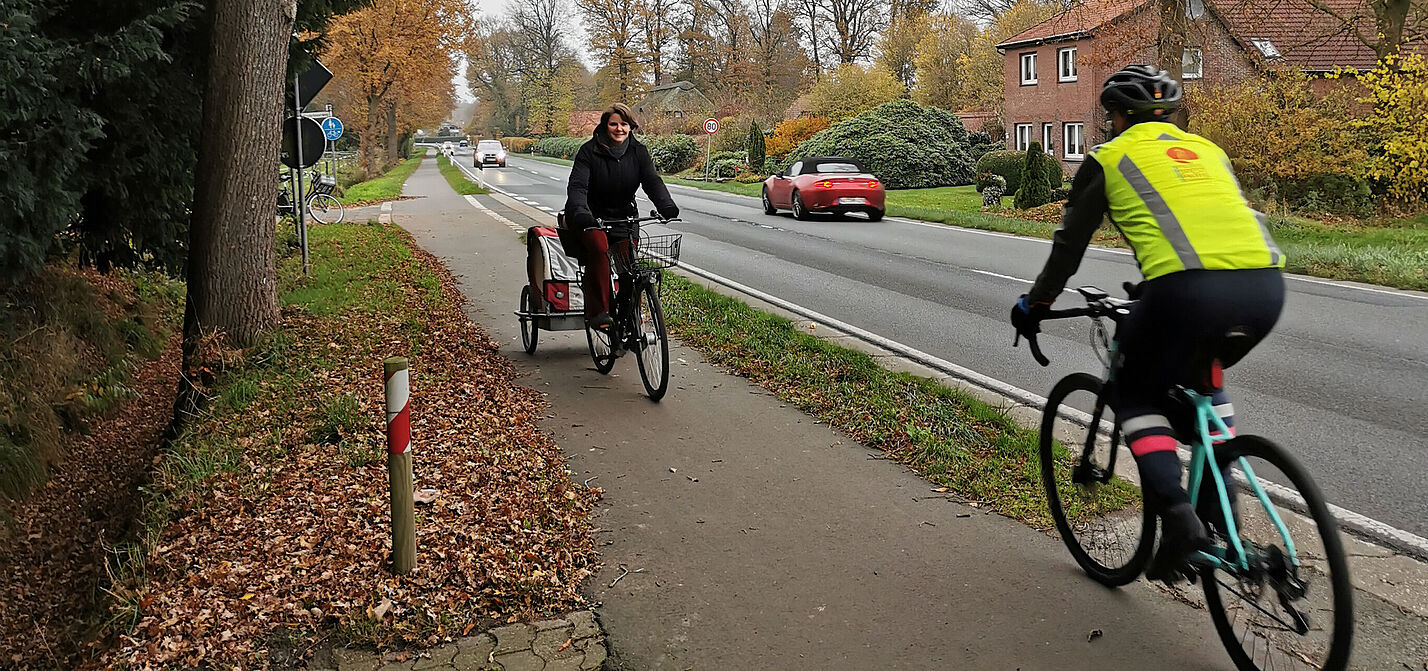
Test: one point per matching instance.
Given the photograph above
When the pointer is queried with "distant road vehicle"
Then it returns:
(829, 184)
(464, 143)
(489, 152)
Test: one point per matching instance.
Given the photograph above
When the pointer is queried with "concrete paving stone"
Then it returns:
(354, 660)
(465, 661)
(523, 660)
(567, 664)
(551, 644)
(480, 644)
(396, 666)
(513, 637)
(546, 625)
(594, 657)
(440, 657)
(584, 622)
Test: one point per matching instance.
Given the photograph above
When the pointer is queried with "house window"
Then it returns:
(1028, 69)
(1075, 140)
(1023, 136)
(1066, 65)
(1192, 64)
(1046, 138)
(1266, 47)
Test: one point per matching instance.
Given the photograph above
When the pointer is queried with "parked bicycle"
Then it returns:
(1276, 580)
(322, 206)
(638, 317)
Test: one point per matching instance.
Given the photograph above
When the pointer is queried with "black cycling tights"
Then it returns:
(1183, 319)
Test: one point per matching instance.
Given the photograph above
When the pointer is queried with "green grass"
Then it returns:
(970, 447)
(548, 159)
(336, 282)
(727, 187)
(456, 178)
(386, 187)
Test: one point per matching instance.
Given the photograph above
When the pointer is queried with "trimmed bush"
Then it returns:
(756, 145)
(1005, 163)
(519, 145)
(904, 144)
(559, 147)
(1034, 191)
(989, 179)
(790, 133)
(980, 143)
(672, 153)
(1336, 193)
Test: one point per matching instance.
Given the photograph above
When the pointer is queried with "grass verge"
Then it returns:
(266, 526)
(386, 187)
(456, 178)
(952, 439)
(548, 159)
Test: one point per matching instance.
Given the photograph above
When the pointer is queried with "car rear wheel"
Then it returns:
(800, 211)
(768, 203)
(875, 215)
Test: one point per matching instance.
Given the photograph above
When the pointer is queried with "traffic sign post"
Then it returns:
(711, 126)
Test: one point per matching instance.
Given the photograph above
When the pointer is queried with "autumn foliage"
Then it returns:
(789, 134)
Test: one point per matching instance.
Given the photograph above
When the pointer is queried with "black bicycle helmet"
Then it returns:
(1141, 91)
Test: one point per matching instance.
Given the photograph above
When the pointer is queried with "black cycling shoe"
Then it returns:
(1182, 534)
(601, 322)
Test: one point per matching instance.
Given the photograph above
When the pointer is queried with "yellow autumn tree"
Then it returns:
(982, 68)
(392, 63)
(852, 89)
(939, 55)
(1398, 91)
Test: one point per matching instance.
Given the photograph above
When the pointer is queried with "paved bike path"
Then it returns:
(758, 538)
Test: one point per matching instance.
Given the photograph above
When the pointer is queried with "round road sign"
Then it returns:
(711, 126)
(313, 143)
(332, 128)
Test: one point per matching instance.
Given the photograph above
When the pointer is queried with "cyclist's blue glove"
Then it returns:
(1026, 316)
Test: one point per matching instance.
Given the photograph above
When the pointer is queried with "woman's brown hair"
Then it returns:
(624, 111)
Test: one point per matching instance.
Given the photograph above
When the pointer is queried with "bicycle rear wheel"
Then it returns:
(325, 209)
(1278, 615)
(1105, 526)
(653, 342)
(602, 350)
(530, 330)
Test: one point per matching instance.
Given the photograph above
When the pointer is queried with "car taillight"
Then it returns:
(827, 183)
(872, 183)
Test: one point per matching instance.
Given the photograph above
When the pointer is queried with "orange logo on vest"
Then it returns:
(1181, 155)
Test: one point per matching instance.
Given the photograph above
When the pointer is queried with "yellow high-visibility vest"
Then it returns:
(1176, 200)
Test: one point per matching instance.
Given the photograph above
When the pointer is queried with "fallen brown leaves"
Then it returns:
(293, 542)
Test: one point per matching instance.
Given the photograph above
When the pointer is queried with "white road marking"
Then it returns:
(1362, 523)
(493, 214)
(1009, 277)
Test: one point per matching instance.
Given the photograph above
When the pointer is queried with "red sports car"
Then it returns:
(824, 184)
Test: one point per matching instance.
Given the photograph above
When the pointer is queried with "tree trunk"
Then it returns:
(393, 142)
(1170, 45)
(1391, 16)
(368, 148)
(232, 265)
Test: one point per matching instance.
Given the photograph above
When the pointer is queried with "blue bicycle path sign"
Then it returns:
(331, 128)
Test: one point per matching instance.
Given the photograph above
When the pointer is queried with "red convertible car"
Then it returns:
(824, 184)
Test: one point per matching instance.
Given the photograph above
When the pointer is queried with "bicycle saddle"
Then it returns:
(1209, 362)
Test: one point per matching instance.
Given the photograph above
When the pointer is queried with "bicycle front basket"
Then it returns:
(658, 251)
(324, 184)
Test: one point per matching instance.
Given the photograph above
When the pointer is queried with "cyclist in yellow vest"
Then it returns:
(1213, 282)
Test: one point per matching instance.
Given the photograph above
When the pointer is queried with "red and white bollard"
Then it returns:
(399, 464)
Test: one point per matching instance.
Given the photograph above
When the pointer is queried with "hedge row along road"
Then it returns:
(1340, 381)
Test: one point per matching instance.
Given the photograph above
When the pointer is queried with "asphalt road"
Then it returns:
(1341, 382)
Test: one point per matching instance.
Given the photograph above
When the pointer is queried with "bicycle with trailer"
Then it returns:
(553, 301)
(1276, 581)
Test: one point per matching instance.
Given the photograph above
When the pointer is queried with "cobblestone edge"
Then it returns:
(571, 643)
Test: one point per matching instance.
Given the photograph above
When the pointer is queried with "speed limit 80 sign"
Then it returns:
(711, 126)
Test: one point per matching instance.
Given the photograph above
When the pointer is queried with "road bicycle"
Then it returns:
(1276, 581)
(637, 273)
(322, 206)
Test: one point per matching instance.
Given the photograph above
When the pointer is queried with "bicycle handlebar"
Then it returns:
(1095, 309)
(628, 222)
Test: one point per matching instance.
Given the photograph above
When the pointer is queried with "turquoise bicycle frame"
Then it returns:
(1201, 455)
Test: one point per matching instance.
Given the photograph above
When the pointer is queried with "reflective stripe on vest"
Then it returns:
(1175, 198)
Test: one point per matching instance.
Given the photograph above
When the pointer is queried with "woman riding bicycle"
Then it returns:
(608, 169)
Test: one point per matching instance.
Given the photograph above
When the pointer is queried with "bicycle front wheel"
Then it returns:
(1104, 525)
(1291, 607)
(652, 341)
(325, 209)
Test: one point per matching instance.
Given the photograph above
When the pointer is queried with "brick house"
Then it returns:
(1054, 70)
